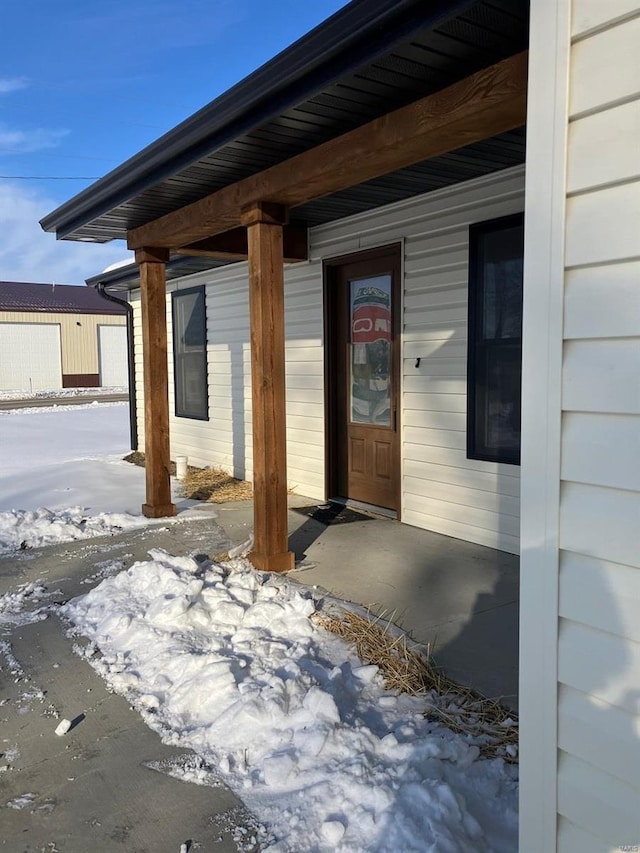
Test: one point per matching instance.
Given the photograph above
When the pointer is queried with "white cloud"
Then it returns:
(12, 84)
(28, 141)
(28, 254)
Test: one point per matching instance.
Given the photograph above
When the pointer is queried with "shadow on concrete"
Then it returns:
(458, 599)
(317, 517)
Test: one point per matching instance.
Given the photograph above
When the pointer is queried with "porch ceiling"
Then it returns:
(372, 57)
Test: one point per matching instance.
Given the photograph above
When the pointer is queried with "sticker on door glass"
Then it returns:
(371, 326)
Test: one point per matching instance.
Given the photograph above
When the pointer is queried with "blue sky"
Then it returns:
(84, 85)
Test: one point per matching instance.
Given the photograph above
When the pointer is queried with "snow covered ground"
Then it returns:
(62, 476)
(61, 392)
(229, 662)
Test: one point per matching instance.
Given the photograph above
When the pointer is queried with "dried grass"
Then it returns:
(204, 484)
(214, 486)
(488, 724)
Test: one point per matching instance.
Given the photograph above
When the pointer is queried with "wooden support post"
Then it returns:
(266, 299)
(156, 389)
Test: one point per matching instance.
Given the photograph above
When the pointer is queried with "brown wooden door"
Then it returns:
(363, 378)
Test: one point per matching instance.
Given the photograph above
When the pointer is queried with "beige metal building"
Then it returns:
(60, 336)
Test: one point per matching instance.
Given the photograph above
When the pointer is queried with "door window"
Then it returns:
(370, 343)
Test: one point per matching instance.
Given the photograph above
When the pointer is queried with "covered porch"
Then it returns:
(374, 106)
(255, 213)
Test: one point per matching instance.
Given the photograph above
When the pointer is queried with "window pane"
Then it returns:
(502, 273)
(190, 354)
(495, 340)
(371, 325)
(191, 312)
(500, 402)
(191, 386)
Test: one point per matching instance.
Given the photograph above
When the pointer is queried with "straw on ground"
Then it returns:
(491, 726)
(205, 484)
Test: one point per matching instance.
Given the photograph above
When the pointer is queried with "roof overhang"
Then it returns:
(355, 35)
(371, 58)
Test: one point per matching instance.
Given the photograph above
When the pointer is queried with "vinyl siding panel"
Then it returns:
(600, 593)
(600, 522)
(599, 733)
(602, 301)
(571, 839)
(604, 225)
(605, 68)
(595, 449)
(591, 15)
(481, 480)
(600, 804)
(602, 375)
(417, 514)
(599, 512)
(606, 131)
(603, 665)
(458, 459)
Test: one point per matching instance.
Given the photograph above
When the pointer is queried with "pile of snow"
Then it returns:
(20, 529)
(227, 661)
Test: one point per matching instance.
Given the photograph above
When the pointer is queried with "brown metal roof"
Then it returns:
(54, 298)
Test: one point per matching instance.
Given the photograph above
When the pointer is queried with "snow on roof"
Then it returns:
(54, 298)
(125, 262)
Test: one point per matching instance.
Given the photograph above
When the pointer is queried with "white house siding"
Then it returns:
(442, 490)
(304, 354)
(225, 440)
(596, 512)
(599, 522)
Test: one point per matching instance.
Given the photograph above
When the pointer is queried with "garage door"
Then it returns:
(30, 358)
(112, 346)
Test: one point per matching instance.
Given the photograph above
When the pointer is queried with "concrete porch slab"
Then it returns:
(458, 598)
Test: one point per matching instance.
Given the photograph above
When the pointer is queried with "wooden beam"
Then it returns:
(487, 103)
(266, 304)
(152, 263)
(232, 245)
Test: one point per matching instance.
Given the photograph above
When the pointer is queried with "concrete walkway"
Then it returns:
(94, 789)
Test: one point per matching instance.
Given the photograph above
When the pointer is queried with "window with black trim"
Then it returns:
(494, 370)
(190, 353)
